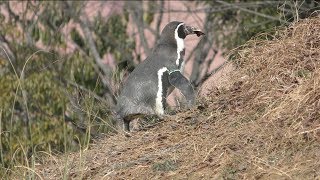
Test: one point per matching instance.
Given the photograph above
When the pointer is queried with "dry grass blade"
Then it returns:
(30, 169)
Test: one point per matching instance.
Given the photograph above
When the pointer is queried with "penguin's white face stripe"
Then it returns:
(159, 103)
(180, 43)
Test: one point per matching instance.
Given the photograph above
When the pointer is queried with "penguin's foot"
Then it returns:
(127, 134)
(164, 116)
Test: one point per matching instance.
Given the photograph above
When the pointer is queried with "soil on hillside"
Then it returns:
(264, 123)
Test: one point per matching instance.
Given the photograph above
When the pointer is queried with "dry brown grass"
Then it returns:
(265, 125)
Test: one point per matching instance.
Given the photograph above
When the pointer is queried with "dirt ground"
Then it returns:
(263, 123)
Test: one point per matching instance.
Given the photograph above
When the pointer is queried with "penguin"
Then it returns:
(148, 85)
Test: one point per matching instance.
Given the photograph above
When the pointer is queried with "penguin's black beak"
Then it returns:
(193, 30)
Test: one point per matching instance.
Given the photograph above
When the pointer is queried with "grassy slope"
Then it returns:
(264, 124)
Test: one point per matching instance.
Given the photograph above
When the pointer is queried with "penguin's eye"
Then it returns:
(181, 32)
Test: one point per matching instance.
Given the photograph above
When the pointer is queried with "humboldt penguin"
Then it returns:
(148, 85)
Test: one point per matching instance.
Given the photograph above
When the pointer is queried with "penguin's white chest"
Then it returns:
(160, 93)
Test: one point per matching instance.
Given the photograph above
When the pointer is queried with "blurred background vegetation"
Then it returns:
(54, 99)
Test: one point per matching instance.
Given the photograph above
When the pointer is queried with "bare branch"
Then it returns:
(7, 46)
(93, 49)
(202, 51)
(159, 19)
(199, 83)
(107, 71)
(252, 12)
(200, 55)
(137, 15)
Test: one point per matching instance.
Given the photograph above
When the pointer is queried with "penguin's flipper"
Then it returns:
(180, 82)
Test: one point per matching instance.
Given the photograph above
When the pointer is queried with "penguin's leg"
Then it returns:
(123, 126)
(126, 124)
(180, 82)
(126, 128)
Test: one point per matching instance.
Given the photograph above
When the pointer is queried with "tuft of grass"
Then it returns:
(165, 166)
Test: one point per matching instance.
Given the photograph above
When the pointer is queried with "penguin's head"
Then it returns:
(180, 29)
